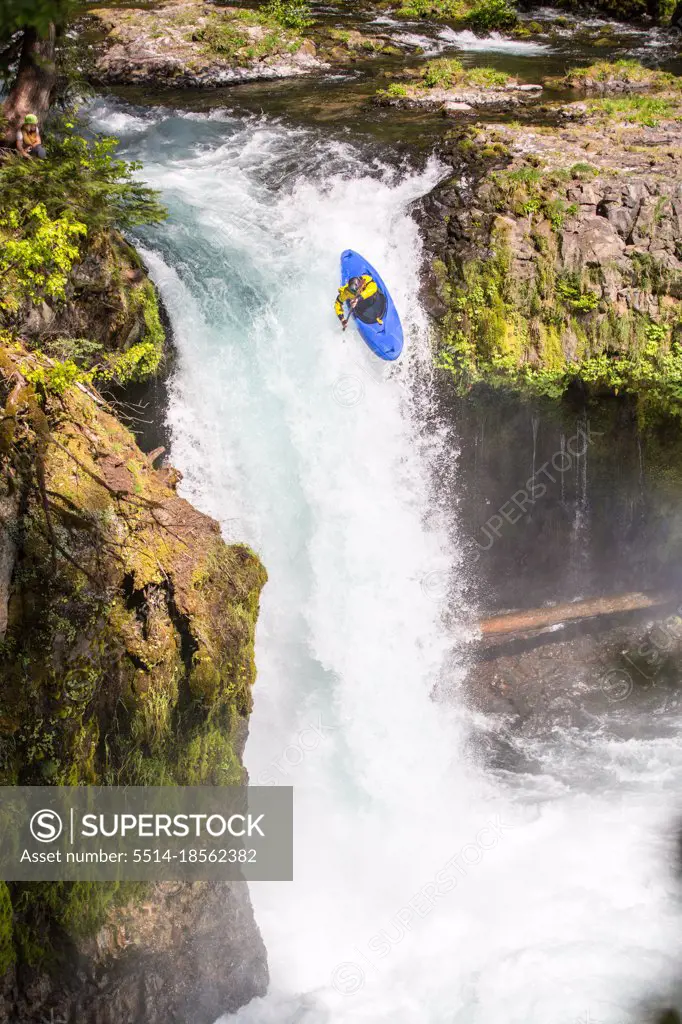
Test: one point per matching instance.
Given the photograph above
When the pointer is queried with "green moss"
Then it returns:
(210, 759)
(7, 950)
(128, 657)
(143, 359)
(624, 72)
(644, 110)
(46, 912)
(511, 333)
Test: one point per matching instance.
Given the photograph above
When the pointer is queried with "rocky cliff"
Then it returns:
(126, 657)
(109, 319)
(555, 251)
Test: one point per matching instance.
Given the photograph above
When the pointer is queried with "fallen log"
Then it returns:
(541, 618)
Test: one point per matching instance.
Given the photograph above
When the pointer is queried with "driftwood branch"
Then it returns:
(541, 618)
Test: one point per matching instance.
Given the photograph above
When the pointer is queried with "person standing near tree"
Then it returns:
(29, 142)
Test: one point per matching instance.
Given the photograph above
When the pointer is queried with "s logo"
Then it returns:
(46, 826)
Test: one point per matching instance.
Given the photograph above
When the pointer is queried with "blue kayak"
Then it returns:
(384, 339)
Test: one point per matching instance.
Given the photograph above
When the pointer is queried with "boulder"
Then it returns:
(594, 242)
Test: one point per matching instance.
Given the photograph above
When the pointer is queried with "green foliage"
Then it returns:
(396, 90)
(443, 74)
(142, 360)
(295, 14)
(54, 211)
(76, 909)
(486, 78)
(81, 179)
(210, 760)
(629, 72)
(441, 9)
(556, 211)
(482, 16)
(656, 335)
(37, 254)
(81, 351)
(510, 333)
(57, 378)
(583, 171)
(487, 15)
(37, 14)
(644, 110)
(570, 292)
(482, 332)
(222, 36)
(448, 72)
(529, 190)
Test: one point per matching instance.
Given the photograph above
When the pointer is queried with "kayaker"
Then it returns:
(364, 299)
(29, 143)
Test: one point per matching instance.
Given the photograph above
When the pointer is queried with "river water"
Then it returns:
(427, 888)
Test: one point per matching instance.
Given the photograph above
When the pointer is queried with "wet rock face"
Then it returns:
(573, 234)
(126, 658)
(111, 309)
(608, 220)
(187, 955)
(8, 519)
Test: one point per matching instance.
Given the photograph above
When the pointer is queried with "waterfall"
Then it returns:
(427, 891)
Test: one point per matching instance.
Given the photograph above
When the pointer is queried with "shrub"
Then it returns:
(37, 255)
(447, 72)
(49, 207)
(569, 291)
(221, 36)
(487, 15)
(56, 379)
(290, 13)
(487, 78)
(442, 74)
(83, 180)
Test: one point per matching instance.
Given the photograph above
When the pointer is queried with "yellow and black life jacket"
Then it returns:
(369, 288)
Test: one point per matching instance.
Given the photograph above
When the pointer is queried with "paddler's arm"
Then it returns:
(338, 308)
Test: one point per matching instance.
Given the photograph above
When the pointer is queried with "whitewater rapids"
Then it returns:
(560, 904)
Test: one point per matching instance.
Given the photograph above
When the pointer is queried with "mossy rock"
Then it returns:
(128, 653)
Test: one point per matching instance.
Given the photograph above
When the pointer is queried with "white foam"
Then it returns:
(428, 45)
(493, 43)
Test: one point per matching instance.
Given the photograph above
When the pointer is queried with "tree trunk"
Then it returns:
(35, 81)
(541, 618)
